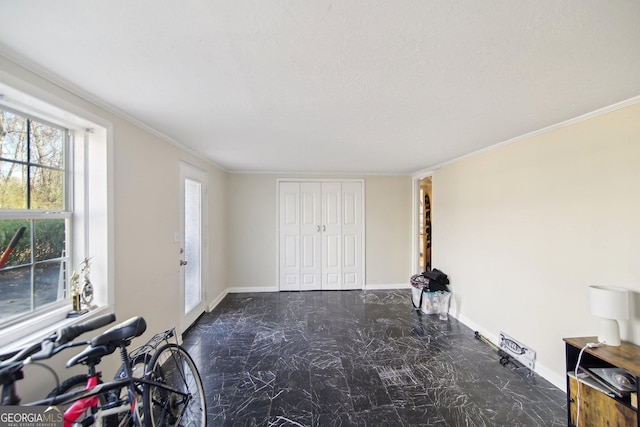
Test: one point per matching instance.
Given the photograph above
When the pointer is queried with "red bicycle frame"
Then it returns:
(78, 408)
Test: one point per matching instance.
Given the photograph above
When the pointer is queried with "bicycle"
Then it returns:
(85, 407)
(168, 392)
(12, 364)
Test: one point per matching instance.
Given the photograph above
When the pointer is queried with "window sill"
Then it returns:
(24, 333)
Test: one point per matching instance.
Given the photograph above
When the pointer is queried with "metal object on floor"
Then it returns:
(505, 358)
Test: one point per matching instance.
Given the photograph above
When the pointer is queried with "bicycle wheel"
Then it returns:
(76, 383)
(172, 366)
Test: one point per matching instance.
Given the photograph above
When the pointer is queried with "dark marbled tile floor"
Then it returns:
(356, 358)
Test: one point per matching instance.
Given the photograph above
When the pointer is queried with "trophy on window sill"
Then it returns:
(81, 295)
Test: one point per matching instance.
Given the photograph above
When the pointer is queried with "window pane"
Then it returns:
(13, 185)
(46, 188)
(46, 145)
(50, 242)
(15, 292)
(15, 243)
(13, 136)
(49, 283)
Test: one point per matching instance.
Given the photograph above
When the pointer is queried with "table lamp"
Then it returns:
(610, 304)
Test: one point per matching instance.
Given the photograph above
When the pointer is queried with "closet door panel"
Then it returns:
(352, 230)
(311, 235)
(290, 236)
(331, 235)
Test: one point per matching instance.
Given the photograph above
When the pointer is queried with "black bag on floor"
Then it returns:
(438, 281)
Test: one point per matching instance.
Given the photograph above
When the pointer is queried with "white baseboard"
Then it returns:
(213, 304)
(245, 289)
(252, 289)
(238, 290)
(546, 373)
(386, 286)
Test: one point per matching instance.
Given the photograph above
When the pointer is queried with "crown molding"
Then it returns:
(593, 114)
(66, 85)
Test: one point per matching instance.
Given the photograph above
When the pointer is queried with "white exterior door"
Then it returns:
(193, 185)
(321, 229)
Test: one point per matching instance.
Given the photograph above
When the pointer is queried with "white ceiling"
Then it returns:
(372, 86)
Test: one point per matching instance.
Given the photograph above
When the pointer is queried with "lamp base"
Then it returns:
(609, 333)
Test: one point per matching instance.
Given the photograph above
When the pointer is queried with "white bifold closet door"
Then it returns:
(321, 233)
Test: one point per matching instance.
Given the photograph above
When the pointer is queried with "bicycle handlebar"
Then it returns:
(56, 341)
(71, 332)
(11, 367)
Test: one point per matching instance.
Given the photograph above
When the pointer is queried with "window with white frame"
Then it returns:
(35, 216)
(54, 212)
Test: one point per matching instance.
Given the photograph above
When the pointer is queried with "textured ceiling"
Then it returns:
(322, 86)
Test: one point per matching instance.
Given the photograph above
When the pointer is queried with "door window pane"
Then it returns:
(193, 236)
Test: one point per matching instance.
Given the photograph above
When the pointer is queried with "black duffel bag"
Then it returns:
(438, 281)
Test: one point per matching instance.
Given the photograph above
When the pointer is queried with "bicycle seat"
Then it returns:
(122, 333)
(91, 355)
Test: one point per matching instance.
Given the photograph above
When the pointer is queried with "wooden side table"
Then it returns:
(597, 408)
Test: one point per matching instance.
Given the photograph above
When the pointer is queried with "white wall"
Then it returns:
(523, 230)
(147, 203)
(388, 231)
(252, 238)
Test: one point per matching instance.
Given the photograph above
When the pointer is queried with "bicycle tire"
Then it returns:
(172, 366)
(79, 382)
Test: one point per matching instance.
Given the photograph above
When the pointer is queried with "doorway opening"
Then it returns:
(424, 221)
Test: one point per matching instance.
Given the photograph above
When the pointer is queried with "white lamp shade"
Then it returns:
(609, 303)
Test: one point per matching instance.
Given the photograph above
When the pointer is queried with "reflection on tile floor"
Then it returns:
(356, 358)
